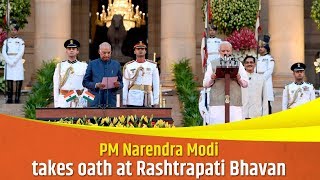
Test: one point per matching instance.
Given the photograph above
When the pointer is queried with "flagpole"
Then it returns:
(257, 32)
(5, 66)
(207, 18)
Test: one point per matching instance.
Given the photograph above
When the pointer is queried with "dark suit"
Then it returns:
(96, 70)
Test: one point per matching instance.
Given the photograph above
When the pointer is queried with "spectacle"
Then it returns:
(249, 62)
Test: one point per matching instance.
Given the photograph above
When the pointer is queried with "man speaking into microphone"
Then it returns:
(217, 85)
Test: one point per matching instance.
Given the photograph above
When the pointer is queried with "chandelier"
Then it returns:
(132, 17)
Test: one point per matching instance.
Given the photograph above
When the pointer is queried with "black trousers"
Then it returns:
(270, 108)
(10, 91)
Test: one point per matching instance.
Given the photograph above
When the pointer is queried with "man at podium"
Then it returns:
(218, 98)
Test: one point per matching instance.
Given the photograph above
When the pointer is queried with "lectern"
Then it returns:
(227, 70)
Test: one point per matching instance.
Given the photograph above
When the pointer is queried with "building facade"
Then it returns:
(174, 30)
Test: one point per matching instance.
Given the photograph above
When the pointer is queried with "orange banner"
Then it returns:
(37, 150)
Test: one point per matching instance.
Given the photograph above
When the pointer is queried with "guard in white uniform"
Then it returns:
(12, 51)
(298, 92)
(265, 66)
(68, 76)
(213, 44)
(141, 80)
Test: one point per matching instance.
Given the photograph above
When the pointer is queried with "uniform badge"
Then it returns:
(132, 70)
(305, 88)
(263, 60)
(148, 69)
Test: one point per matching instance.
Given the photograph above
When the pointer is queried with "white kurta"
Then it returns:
(12, 51)
(149, 75)
(255, 97)
(265, 66)
(74, 82)
(212, 48)
(304, 93)
(217, 113)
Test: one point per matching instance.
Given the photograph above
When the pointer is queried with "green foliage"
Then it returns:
(20, 10)
(188, 93)
(315, 12)
(41, 92)
(121, 121)
(2, 84)
(231, 15)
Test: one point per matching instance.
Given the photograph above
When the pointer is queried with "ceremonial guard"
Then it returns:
(67, 78)
(265, 66)
(141, 80)
(298, 92)
(12, 51)
(213, 44)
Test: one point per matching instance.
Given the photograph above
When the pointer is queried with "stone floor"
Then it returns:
(170, 96)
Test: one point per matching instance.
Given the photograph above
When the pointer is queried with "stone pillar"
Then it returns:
(53, 28)
(177, 35)
(286, 28)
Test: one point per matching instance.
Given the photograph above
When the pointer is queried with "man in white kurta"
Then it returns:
(265, 66)
(68, 76)
(254, 97)
(297, 92)
(12, 51)
(217, 93)
(141, 82)
(212, 45)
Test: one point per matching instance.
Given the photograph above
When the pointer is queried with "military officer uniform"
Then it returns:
(68, 76)
(297, 93)
(141, 82)
(265, 66)
(12, 51)
(202, 106)
(213, 44)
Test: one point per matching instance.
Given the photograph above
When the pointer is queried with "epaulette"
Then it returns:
(287, 85)
(309, 83)
(151, 61)
(129, 62)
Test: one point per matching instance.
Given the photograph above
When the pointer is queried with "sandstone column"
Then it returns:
(286, 28)
(53, 28)
(177, 35)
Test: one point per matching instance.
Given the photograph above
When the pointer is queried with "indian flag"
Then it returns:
(88, 96)
(70, 96)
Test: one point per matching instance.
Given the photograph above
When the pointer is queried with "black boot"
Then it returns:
(9, 91)
(18, 92)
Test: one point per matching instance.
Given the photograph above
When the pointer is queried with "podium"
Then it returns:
(57, 113)
(227, 73)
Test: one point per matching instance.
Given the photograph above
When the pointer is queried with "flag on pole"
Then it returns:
(88, 96)
(205, 52)
(258, 28)
(70, 96)
(205, 35)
